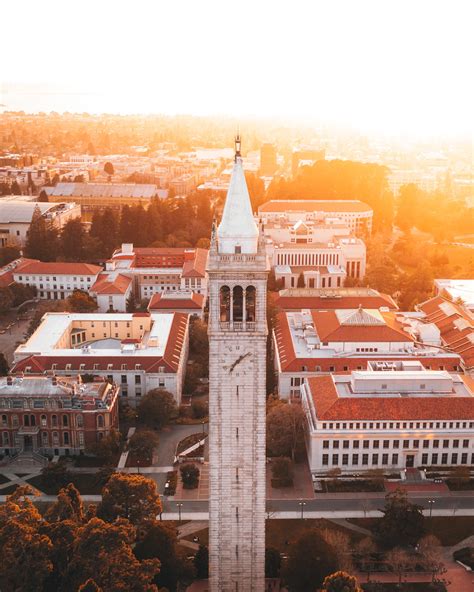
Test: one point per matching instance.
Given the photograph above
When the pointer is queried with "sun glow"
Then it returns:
(392, 66)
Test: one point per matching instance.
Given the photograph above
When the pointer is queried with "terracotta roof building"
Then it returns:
(389, 416)
(312, 342)
(138, 351)
(325, 299)
(455, 324)
(190, 303)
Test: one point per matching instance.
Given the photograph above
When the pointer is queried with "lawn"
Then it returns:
(3, 480)
(456, 485)
(86, 483)
(449, 530)
(280, 532)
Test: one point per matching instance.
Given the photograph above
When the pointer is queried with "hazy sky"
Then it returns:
(378, 65)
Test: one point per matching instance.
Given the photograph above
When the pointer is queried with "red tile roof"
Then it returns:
(170, 359)
(330, 407)
(57, 268)
(311, 205)
(296, 303)
(104, 285)
(289, 362)
(456, 326)
(160, 302)
(196, 267)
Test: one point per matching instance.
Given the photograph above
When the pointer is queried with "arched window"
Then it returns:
(44, 437)
(79, 421)
(100, 421)
(44, 421)
(250, 304)
(54, 421)
(33, 420)
(4, 420)
(66, 438)
(6, 439)
(65, 421)
(26, 420)
(55, 438)
(238, 304)
(225, 304)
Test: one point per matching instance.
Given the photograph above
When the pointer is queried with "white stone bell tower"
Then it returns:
(237, 339)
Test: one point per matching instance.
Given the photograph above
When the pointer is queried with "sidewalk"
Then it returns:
(201, 493)
(302, 487)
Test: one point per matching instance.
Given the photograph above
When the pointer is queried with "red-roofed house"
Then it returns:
(389, 417)
(137, 351)
(112, 292)
(187, 302)
(56, 280)
(161, 270)
(326, 299)
(456, 326)
(312, 342)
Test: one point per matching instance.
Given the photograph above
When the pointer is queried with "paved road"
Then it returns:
(344, 505)
(169, 438)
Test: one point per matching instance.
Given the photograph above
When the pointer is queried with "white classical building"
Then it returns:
(137, 351)
(354, 213)
(389, 416)
(238, 272)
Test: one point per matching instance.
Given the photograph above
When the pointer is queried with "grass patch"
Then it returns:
(9, 490)
(450, 530)
(86, 462)
(86, 483)
(3, 480)
(404, 587)
(456, 485)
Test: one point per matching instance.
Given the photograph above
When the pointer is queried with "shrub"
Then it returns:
(189, 475)
(200, 409)
(282, 472)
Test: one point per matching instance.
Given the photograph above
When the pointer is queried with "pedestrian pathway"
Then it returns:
(350, 526)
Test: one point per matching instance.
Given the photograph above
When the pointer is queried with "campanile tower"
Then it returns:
(237, 343)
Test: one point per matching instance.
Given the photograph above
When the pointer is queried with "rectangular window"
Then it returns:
(416, 443)
(386, 443)
(138, 379)
(335, 443)
(335, 459)
(434, 459)
(435, 443)
(406, 443)
(445, 443)
(396, 443)
(385, 459)
(345, 443)
(325, 443)
(325, 459)
(376, 444)
(455, 443)
(355, 444)
(454, 458)
(345, 459)
(424, 459)
(366, 444)
(426, 443)
(464, 458)
(365, 459)
(355, 459)
(444, 458)
(375, 459)
(465, 443)
(395, 459)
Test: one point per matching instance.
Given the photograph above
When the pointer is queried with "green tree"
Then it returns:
(310, 560)
(55, 474)
(6, 299)
(286, 426)
(8, 254)
(42, 240)
(73, 240)
(90, 586)
(109, 170)
(143, 442)
(402, 523)
(80, 301)
(4, 369)
(130, 496)
(103, 552)
(201, 563)
(156, 408)
(189, 475)
(108, 447)
(272, 562)
(68, 506)
(341, 582)
(161, 542)
(282, 471)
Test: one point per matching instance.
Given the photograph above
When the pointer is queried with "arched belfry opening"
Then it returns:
(224, 303)
(238, 304)
(250, 304)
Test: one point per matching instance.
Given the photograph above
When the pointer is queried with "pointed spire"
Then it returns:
(237, 231)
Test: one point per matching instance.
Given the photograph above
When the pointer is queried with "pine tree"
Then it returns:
(42, 241)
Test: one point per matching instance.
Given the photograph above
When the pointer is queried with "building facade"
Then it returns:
(137, 351)
(237, 346)
(390, 417)
(54, 415)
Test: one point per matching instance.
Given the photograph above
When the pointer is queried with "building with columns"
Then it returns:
(390, 416)
(237, 271)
